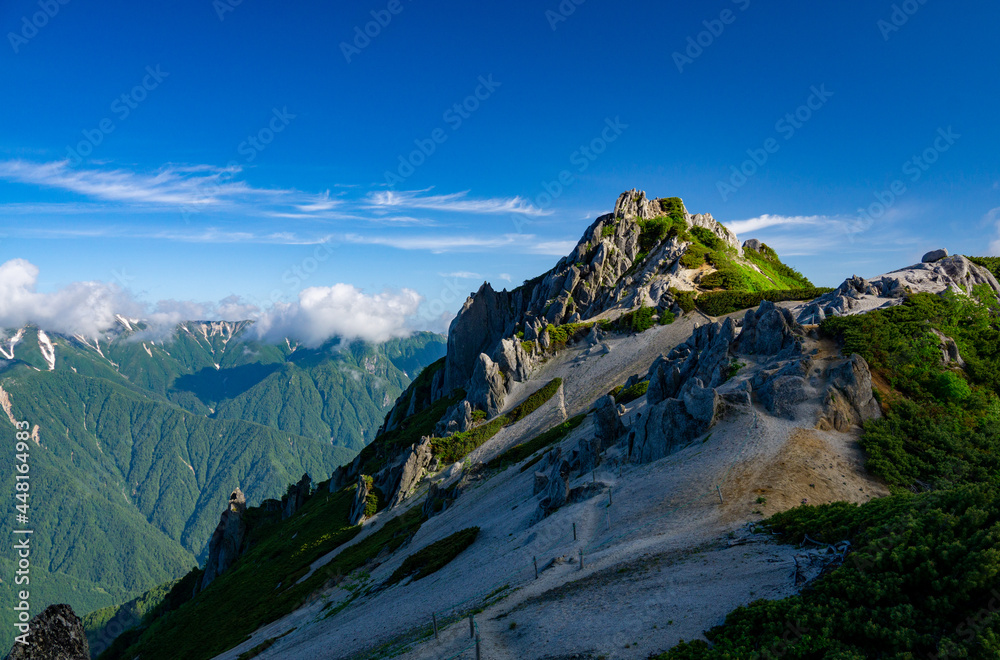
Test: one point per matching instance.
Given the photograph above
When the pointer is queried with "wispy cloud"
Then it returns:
(438, 244)
(765, 221)
(463, 275)
(993, 217)
(455, 202)
(807, 235)
(192, 187)
(550, 248)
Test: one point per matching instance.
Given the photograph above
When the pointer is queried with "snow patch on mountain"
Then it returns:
(9, 351)
(47, 348)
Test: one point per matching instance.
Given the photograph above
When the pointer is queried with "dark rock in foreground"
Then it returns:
(54, 634)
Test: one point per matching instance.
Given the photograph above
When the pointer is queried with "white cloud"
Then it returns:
(340, 310)
(505, 277)
(90, 308)
(457, 202)
(82, 307)
(234, 308)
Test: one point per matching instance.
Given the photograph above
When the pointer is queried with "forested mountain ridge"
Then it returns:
(139, 439)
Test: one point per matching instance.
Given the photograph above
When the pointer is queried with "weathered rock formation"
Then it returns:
(949, 349)
(487, 387)
(934, 255)
(360, 504)
(552, 481)
(689, 388)
(296, 496)
(227, 540)
(607, 422)
(56, 633)
(856, 294)
(458, 418)
(439, 498)
(597, 276)
(399, 477)
(850, 400)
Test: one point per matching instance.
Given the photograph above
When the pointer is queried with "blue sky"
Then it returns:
(195, 151)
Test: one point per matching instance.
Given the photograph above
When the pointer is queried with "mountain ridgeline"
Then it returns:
(730, 407)
(650, 260)
(138, 439)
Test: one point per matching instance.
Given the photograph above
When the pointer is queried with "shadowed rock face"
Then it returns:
(487, 388)
(850, 401)
(485, 318)
(55, 634)
(296, 496)
(398, 478)
(357, 515)
(227, 540)
(688, 388)
(607, 424)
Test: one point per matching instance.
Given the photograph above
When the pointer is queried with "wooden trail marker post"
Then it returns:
(472, 626)
(574, 531)
(535, 559)
(718, 489)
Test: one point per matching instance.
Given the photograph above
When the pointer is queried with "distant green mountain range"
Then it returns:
(138, 440)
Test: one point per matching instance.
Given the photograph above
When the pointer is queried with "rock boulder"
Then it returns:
(360, 504)
(934, 255)
(607, 423)
(56, 633)
(227, 540)
(850, 400)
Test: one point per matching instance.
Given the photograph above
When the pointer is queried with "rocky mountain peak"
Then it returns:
(625, 259)
(632, 204)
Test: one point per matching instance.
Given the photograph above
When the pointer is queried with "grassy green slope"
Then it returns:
(264, 582)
